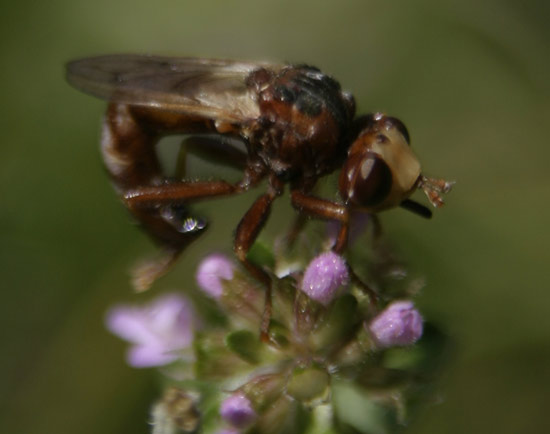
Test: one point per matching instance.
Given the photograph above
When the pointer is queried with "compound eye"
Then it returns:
(365, 180)
(392, 122)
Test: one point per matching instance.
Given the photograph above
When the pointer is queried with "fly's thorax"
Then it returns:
(304, 115)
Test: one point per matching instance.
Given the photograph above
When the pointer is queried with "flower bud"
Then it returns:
(309, 385)
(399, 324)
(211, 271)
(324, 277)
(237, 410)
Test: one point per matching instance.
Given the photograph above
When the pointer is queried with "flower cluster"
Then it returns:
(331, 339)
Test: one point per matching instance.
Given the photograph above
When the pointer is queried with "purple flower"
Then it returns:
(324, 277)
(158, 331)
(399, 324)
(211, 271)
(237, 410)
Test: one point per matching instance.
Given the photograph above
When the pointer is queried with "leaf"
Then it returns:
(245, 344)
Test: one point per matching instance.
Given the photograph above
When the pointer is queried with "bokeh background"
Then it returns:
(469, 78)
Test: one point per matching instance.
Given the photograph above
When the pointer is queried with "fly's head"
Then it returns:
(381, 170)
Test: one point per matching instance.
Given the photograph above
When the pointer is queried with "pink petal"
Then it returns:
(149, 356)
(211, 271)
(129, 324)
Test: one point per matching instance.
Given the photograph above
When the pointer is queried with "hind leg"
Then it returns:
(163, 211)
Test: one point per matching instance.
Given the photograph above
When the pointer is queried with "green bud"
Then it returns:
(277, 418)
(262, 391)
(307, 313)
(283, 296)
(278, 334)
(309, 385)
(243, 300)
(338, 326)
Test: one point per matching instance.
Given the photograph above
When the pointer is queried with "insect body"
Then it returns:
(296, 123)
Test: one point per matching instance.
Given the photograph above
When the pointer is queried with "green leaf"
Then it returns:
(360, 410)
(245, 344)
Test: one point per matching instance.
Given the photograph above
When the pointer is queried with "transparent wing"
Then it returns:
(205, 87)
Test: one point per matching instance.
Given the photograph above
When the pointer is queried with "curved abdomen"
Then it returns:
(128, 140)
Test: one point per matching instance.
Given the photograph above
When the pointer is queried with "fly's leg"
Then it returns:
(176, 192)
(247, 231)
(160, 204)
(327, 210)
(299, 222)
(324, 209)
(163, 210)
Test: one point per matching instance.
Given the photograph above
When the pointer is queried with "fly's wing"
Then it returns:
(211, 88)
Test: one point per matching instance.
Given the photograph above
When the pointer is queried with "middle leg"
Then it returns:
(247, 231)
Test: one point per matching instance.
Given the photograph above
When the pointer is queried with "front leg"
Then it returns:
(324, 209)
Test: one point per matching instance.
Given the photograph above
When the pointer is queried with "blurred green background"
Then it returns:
(470, 80)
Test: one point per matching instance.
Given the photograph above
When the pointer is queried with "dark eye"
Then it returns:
(400, 126)
(365, 180)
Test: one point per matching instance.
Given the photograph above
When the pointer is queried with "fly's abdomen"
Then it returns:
(128, 150)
